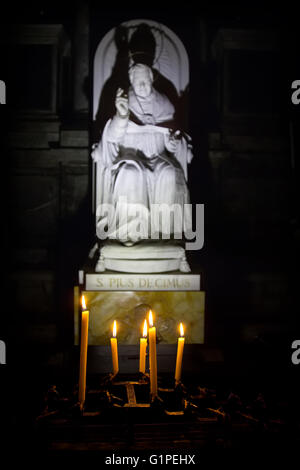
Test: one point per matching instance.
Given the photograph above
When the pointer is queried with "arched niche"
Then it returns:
(170, 58)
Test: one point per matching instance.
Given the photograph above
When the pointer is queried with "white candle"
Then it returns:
(83, 353)
(114, 349)
(143, 348)
(152, 357)
(180, 346)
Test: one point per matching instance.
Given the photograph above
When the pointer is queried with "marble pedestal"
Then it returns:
(144, 257)
(127, 298)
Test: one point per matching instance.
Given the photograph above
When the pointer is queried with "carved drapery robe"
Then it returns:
(136, 170)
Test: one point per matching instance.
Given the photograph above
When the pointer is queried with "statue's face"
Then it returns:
(142, 83)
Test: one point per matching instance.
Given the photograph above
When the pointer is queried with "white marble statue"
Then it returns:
(143, 163)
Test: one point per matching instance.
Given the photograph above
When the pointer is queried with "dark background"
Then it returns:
(245, 170)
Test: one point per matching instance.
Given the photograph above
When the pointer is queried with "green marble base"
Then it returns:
(130, 308)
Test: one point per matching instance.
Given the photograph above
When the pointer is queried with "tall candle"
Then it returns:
(180, 346)
(152, 357)
(143, 348)
(83, 353)
(114, 349)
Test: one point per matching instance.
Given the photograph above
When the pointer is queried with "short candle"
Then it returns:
(114, 349)
(180, 346)
(143, 348)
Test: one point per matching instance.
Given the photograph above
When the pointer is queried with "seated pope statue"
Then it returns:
(143, 165)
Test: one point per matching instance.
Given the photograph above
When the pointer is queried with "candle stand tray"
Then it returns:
(118, 414)
(131, 394)
(124, 400)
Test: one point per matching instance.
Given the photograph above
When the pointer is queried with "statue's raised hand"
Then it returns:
(95, 152)
(121, 102)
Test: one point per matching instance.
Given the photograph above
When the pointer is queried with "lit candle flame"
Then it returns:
(145, 329)
(150, 318)
(83, 303)
(181, 329)
(115, 329)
